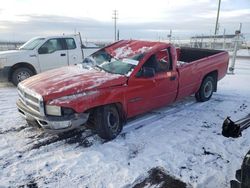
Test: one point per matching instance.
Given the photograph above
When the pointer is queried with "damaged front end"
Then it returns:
(31, 106)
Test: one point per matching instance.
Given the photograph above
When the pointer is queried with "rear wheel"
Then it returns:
(206, 89)
(108, 122)
(21, 74)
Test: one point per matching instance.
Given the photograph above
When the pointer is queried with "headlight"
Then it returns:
(53, 110)
(3, 62)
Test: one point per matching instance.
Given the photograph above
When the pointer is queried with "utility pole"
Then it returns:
(217, 19)
(217, 22)
(115, 17)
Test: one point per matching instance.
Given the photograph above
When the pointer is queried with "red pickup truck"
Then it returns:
(126, 78)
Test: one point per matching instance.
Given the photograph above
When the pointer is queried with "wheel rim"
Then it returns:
(113, 121)
(22, 76)
(208, 89)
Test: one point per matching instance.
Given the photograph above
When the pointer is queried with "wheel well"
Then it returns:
(118, 105)
(18, 65)
(214, 74)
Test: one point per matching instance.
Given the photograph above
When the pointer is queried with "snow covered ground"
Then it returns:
(184, 139)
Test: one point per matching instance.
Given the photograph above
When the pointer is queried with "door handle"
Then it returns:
(63, 54)
(172, 78)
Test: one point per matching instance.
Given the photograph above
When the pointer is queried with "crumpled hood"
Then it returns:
(70, 80)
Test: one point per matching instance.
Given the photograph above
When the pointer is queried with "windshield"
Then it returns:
(106, 62)
(31, 44)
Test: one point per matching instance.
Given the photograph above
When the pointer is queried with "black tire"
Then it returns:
(206, 89)
(21, 74)
(108, 122)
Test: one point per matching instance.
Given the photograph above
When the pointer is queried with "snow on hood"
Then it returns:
(70, 80)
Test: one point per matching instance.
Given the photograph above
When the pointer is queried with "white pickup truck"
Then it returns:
(40, 54)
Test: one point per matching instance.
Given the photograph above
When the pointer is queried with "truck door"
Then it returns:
(74, 53)
(166, 80)
(148, 93)
(52, 54)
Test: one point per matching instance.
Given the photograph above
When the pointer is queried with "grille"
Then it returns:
(32, 100)
(30, 97)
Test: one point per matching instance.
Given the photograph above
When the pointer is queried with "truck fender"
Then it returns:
(214, 74)
(118, 105)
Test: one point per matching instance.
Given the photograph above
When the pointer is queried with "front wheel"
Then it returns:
(21, 74)
(108, 123)
(206, 89)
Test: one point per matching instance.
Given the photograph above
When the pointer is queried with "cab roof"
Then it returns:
(128, 48)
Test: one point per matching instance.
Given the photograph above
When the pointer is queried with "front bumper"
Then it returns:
(50, 123)
(4, 74)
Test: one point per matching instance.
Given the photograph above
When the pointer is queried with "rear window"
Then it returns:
(70, 43)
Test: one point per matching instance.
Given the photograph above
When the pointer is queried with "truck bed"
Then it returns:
(193, 64)
(187, 55)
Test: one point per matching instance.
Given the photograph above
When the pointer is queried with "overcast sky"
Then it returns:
(138, 19)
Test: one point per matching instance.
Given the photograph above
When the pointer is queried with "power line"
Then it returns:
(115, 17)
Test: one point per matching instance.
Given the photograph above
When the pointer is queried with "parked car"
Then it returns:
(127, 78)
(41, 54)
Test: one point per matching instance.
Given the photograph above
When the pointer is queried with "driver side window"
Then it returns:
(150, 64)
(50, 46)
(159, 62)
(163, 61)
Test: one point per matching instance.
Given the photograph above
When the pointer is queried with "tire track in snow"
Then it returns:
(13, 129)
(80, 137)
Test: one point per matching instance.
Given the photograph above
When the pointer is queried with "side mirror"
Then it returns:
(148, 72)
(43, 50)
(88, 60)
